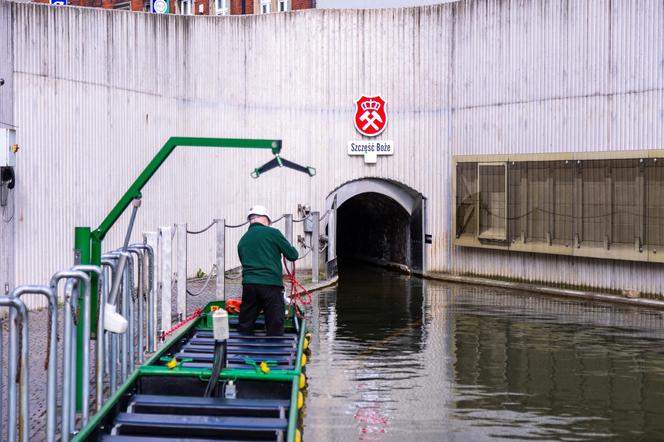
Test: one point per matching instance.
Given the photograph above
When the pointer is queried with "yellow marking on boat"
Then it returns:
(172, 363)
(303, 381)
(304, 360)
(300, 400)
(264, 367)
(298, 436)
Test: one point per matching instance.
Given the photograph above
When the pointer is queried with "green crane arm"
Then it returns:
(134, 190)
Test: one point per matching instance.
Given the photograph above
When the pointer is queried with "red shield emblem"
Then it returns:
(370, 116)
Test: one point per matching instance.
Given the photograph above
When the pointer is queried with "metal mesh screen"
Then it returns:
(615, 206)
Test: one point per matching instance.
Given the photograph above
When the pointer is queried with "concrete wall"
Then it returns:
(470, 77)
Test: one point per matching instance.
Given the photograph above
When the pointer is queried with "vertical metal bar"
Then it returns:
(82, 256)
(12, 371)
(151, 240)
(640, 206)
(87, 326)
(181, 263)
(315, 247)
(101, 333)
(288, 227)
(139, 287)
(524, 201)
(67, 366)
(18, 313)
(578, 204)
(166, 277)
(114, 362)
(141, 297)
(126, 300)
(220, 235)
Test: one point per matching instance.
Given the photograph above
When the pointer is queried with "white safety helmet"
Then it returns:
(260, 211)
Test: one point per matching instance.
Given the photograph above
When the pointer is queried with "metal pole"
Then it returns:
(140, 271)
(139, 294)
(288, 230)
(82, 249)
(166, 277)
(151, 240)
(149, 288)
(101, 333)
(181, 263)
(85, 363)
(315, 247)
(114, 362)
(331, 242)
(68, 350)
(67, 362)
(220, 235)
(126, 300)
(52, 298)
(17, 313)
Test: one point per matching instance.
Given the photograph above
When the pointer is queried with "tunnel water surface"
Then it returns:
(401, 358)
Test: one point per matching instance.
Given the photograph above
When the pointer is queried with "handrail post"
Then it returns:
(315, 247)
(220, 235)
(165, 240)
(151, 241)
(82, 248)
(18, 313)
(181, 269)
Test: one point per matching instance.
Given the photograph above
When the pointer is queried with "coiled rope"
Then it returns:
(299, 295)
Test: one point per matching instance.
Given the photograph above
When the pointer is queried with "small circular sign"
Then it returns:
(160, 6)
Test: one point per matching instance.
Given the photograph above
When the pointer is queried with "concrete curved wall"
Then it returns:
(97, 92)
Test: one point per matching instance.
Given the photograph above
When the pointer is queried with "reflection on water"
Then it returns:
(399, 358)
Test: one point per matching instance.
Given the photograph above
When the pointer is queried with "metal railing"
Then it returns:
(128, 284)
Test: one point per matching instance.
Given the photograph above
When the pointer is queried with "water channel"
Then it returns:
(400, 358)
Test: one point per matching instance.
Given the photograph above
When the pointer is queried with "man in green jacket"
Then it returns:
(260, 251)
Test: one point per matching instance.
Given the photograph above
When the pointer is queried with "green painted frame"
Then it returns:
(88, 245)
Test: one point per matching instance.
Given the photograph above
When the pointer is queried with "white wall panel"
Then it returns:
(98, 92)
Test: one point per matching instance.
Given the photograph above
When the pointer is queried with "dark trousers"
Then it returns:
(266, 298)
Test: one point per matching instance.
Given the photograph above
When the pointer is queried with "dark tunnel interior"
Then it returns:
(373, 227)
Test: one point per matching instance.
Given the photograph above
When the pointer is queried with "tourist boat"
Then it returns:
(258, 394)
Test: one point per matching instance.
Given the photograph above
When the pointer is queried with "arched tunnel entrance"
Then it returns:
(379, 221)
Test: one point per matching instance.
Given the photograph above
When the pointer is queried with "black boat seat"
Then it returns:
(109, 438)
(168, 423)
(255, 337)
(245, 343)
(238, 350)
(234, 365)
(153, 403)
(239, 358)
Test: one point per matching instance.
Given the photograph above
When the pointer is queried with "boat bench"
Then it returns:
(172, 424)
(209, 405)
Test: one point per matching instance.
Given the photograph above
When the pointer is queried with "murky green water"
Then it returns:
(399, 358)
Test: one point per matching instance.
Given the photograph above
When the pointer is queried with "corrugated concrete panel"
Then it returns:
(98, 92)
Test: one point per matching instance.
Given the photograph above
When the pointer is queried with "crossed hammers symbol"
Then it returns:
(371, 117)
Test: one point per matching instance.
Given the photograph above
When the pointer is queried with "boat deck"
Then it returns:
(159, 403)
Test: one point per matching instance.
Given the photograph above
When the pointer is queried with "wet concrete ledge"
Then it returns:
(592, 295)
(543, 289)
